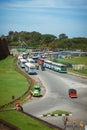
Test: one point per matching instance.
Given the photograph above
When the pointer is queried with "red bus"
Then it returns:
(41, 61)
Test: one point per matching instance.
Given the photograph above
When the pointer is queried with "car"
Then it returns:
(73, 93)
(36, 91)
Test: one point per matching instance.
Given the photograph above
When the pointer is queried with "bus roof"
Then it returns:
(48, 61)
(29, 65)
(59, 64)
(23, 60)
(41, 59)
(30, 60)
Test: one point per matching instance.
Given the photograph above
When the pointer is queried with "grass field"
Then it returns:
(23, 121)
(57, 112)
(75, 60)
(13, 83)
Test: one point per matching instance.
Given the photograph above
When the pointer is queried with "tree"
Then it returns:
(48, 38)
(62, 36)
(53, 46)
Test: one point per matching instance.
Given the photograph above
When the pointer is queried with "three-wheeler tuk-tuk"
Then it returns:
(73, 93)
(37, 91)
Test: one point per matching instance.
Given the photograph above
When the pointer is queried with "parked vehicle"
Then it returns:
(35, 58)
(47, 64)
(40, 61)
(22, 62)
(30, 68)
(72, 93)
(30, 60)
(25, 55)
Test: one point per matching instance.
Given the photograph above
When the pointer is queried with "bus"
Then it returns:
(58, 67)
(25, 55)
(30, 68)
(22, 62)
(47, 64)
(30, 60)
(35, 58)
(20, 56)
(41, 61)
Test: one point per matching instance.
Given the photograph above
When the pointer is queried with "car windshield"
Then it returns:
(72, 91)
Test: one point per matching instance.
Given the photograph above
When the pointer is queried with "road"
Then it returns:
(56, 98)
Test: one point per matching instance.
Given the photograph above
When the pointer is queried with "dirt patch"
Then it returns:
(3, 127)
(7, 126)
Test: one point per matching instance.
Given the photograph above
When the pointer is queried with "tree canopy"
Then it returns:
(49, 41)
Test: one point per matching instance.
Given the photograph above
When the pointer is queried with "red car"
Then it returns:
(72, 93)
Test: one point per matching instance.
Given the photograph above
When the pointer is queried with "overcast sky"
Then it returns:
(44, 16)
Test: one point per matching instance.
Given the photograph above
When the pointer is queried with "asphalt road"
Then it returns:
(56, 98)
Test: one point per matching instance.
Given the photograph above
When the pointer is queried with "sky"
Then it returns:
(44, 16)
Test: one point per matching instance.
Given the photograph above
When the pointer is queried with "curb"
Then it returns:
(82, 76)
(43, 121)
(55, 115)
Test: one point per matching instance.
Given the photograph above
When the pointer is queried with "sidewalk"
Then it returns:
(58, 121)
(82, 76)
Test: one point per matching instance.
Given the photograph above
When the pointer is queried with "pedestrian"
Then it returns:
(31, 94)
(19, 107)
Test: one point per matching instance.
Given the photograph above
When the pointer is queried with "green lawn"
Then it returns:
(23, 121)
(57, 112)
(12, 83)
(75, 60)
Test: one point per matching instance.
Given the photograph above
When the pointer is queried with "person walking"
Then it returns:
(31, 94)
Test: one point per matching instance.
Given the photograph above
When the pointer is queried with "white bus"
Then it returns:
(30, 68)
(22, 62)
(55, 66)
(59, 67)
(30, 60)
(47, 64)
